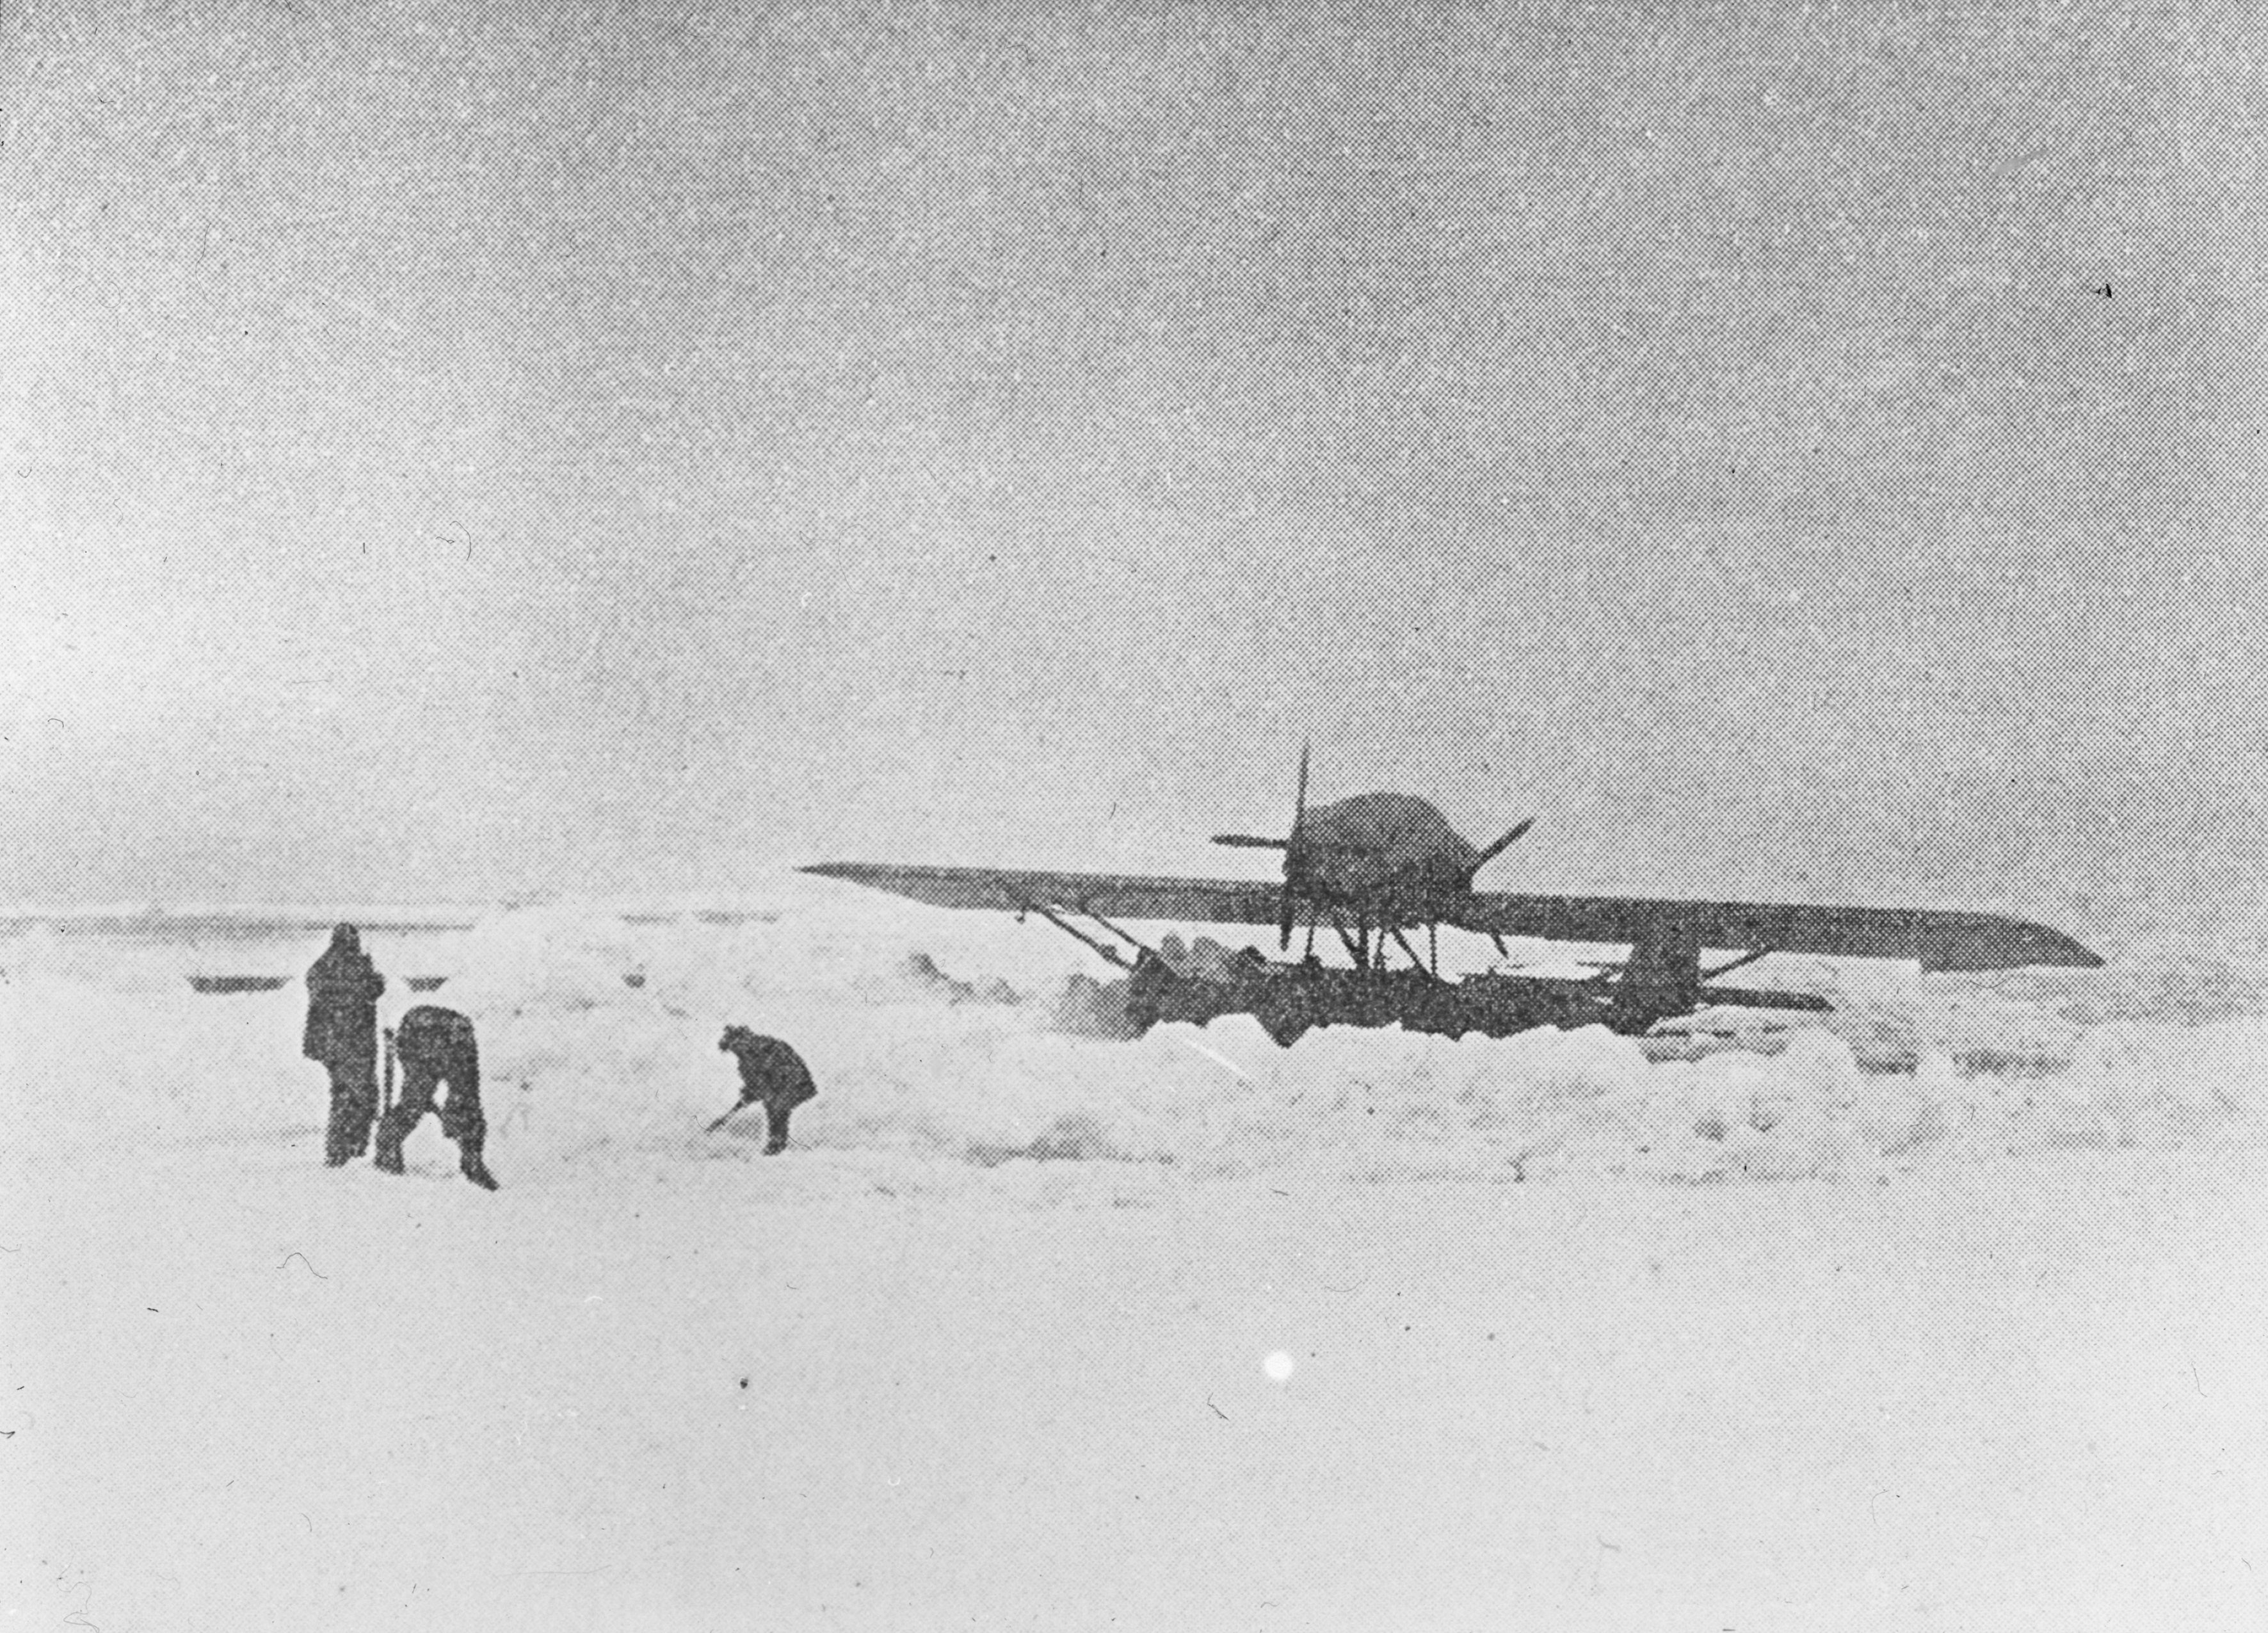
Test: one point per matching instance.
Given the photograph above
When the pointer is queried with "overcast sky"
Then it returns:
(454, 447)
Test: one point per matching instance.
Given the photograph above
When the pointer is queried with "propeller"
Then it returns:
(1289, 846)
(1301, 849)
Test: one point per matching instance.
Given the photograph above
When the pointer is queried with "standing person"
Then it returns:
(437, 1046)
(344, 987)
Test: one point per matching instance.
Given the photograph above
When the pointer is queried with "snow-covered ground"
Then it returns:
(1954, 1315)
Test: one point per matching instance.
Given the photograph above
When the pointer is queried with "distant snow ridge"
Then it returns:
(112, 964)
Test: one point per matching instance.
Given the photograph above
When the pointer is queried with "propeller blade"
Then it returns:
(1250, 842)
(1293, 853)
(1497, 849)
(1292, 869)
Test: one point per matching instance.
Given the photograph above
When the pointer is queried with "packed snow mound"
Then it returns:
(1385, 1105)
(597, 1035)
(916, 977)
(1894, 1018)
(1088, 1007)
(600, 1036)
(2184, 988)
(831, 938)
(2033, 1022)
(554, 959)
(1978, 1031)
(564, 957)
(589, 1048)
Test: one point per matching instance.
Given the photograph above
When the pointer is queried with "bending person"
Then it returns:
(436, 1047)
(772, 1076)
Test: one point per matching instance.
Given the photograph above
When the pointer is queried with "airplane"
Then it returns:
(1383, 856)
(1376, 867)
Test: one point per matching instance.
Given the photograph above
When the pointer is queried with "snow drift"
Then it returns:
(600, 1036)
(1040, 1330)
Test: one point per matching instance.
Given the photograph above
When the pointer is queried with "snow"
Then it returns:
(1951, 1311)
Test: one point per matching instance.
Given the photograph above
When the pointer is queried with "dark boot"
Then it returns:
(389, 1146)
(775, 1129)
(359, 1123)
(468, 1160)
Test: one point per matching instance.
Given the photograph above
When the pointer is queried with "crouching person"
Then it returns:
(436, 1047)
(772, 1074)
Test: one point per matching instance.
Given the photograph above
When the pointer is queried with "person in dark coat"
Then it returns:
(773, 1076)
(436, 1047)
(344, 987)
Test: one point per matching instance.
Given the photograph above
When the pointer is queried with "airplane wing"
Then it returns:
(1937, 940)
(1113, 895)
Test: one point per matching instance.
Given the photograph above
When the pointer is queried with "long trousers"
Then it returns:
(354, 1106)
(775, 1115)
(460, 1120)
